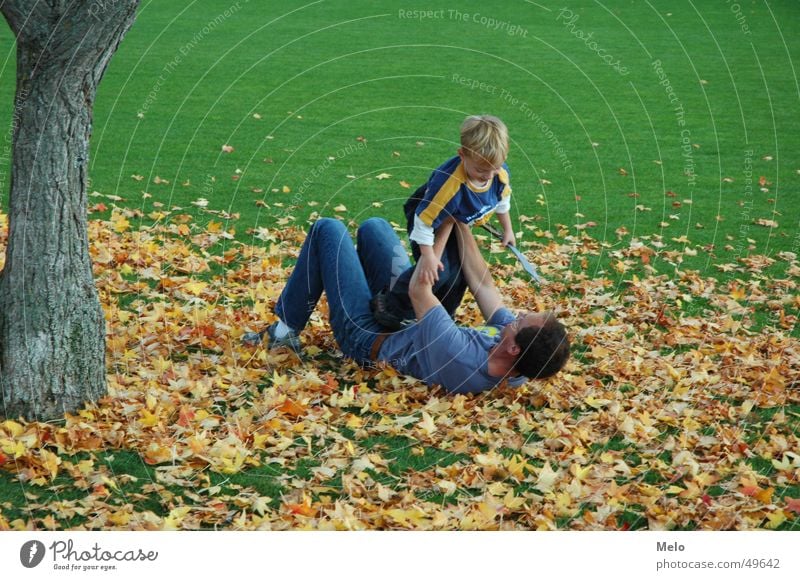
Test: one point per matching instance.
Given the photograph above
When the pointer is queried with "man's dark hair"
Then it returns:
(544, 350)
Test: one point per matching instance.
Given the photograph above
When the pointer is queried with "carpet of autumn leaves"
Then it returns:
(677, 410)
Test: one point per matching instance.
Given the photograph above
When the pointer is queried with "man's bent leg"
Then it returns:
(328, 261)
(383, 258)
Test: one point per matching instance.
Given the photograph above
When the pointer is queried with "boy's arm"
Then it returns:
(477, 274)
(441, 236)
(422, 233)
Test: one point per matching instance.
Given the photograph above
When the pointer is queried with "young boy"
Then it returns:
(467, 188)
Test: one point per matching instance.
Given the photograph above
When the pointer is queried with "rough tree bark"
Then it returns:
(52, 330)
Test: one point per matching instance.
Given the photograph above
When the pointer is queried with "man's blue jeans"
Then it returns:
(328, 262)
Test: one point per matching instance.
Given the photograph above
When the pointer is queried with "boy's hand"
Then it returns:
(429, 268)
(508, 238)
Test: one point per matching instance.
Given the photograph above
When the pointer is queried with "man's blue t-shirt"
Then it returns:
(437, 351)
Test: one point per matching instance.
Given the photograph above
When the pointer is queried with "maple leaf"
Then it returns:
(260, 505)
(292, 409)
(409, 517)
(228, 455)
(775, 519)
(427, 424)
(301, 509)
(766, 223)
(121, 517)
(227, 149)
(547, 478)
(119, 223)
(405, 184)
(195, 287)
(175, 518)
(185, 416)
(156, 453)
(448, 487)
(793, 504)
(382, 176)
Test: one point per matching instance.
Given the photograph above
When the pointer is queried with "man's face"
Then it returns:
(525, 320)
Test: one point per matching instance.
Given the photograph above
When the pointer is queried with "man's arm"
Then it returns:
(508, 229)
(420, 288)
(477, 274)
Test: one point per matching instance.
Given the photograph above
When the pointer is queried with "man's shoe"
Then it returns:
(253, 338)
(290, 340)
(384, 316)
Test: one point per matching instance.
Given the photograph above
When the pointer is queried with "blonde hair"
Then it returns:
(485, 137)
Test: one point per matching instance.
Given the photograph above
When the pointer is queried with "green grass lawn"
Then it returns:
(687, 134)
(720, 102)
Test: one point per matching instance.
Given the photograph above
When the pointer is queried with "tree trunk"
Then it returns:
(52, 329)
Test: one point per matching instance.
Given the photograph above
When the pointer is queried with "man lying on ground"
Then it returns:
(434, 349)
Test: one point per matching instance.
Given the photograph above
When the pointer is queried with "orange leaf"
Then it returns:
(793, 504)
(765, 495)
(3, 459)
(405, 184)
(185, 416)
(750, 490)
(292, 409)
(301, 509)
(331, 385)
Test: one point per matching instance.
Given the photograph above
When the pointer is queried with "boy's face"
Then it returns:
(478, 170)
